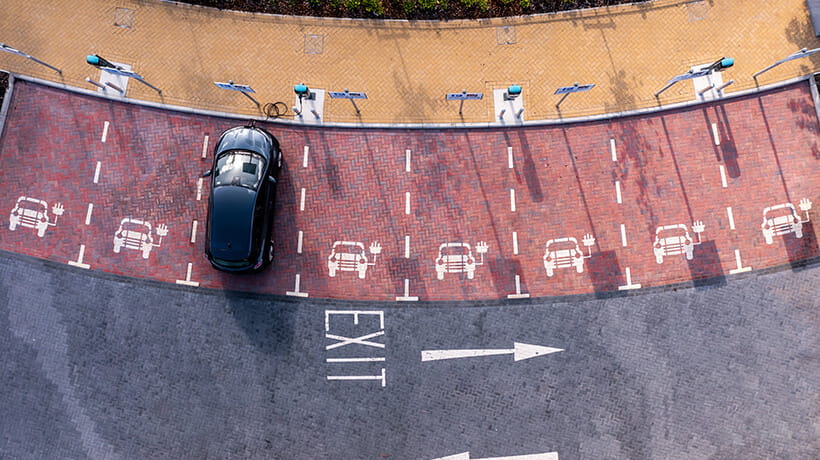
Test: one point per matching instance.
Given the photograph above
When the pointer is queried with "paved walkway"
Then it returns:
(405, 68)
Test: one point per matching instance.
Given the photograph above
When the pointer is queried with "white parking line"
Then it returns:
(187, 281)
(79, 262)
(193, 232)
(618, 191)
(407, 160)
(199, 189)
(740, 268)
(723, 177)
(612, 150)
(355, 360)
(97, 172)
(509, 157)
(512, 199)
(205, 147)
(105, 132)
(302, 200)
(407, 297)
(518, 294)
(629, 284)
(731, 217)
(360, 377)
(88, 213)
(715, 133)
(305, 157)
(407, 246)
(296, 292)
(407, 203)
(515, 242)
(623, 235)
(299, 243)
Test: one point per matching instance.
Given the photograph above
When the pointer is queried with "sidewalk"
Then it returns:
(405, 68)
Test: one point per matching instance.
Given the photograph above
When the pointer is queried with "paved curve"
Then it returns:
(97, 364)
(402, 194)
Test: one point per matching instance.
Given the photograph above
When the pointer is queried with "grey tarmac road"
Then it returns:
(100, 366)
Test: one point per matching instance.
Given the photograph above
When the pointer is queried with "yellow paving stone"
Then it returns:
(406, 67)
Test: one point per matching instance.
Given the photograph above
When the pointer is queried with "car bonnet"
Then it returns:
(232, 222)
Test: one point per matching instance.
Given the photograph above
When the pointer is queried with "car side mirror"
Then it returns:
(271, 179)
(206, 173)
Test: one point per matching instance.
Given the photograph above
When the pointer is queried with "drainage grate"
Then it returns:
(505, 35)
(314, 44)
(697, 10)
(124, 17)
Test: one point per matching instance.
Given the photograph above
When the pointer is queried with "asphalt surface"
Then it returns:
(102, 366)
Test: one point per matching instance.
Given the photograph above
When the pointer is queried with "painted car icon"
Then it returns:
(563, 253)
(347, 256)
(455, 258)
(781, 219)
(134, 234)
(673, 240)
(32, 213)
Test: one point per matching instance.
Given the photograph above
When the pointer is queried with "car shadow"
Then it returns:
(801, 249)
(605, 274)
(705, 268)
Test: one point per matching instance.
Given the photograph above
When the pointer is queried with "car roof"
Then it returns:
(454, 245)
(562, 240)
(779, 206)
(672, 227)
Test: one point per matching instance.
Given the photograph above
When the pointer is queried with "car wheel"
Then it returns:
(690, 255)
(279, 161)
(12, 225)
(362, 274)
(798, 233)
(146, 253)
(117, 248)
(41, 231)
(769, 239)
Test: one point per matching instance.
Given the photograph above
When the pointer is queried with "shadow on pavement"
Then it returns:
(800, 249)
(605, 274)
(706, 269)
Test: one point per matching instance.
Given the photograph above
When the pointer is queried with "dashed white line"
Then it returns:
(509, 157)
(205, 147)
(731, 217)
(88, 213)
(723, 177)
(512, 199)
(105, 132)
(715, 133)
(193, 232)
(302, 200)
(97, 172)
(407, 246)
(407, 203)
(618, 191)
(612, 150)
(305, 157)
(623, 235)
(407, 160)
(199, 189)
(299, 243)
(515, 242)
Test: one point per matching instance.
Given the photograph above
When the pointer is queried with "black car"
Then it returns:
(247, 161)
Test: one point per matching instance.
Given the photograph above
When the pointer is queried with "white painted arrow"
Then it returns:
(520, 352)
(466, 456)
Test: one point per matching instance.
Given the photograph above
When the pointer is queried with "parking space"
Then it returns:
(382, 214)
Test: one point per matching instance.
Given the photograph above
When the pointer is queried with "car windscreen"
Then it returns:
(241, 168)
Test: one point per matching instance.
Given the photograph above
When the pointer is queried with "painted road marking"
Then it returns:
(740, 268)
(715, 133)
(363, 340)
(295, 292)
(355, 360)
(299, 243)
(187, 281)
(629, 284)
(407, 160)
(79, 262)
(512, 199)
(466, 456)
(723, 177)
(509, 157)
(205, 147)
(407, 297)
(359, 377)
(105, 132)
(520, 352)
(88, 213)
(612, 150)
(618, 191)
(406, 246)
(518, 294)
(623, 235)
(515, 242)
(305, 157)
(199, 189)
(355, 314)
(97, 172)
(731, 217)
(302, 200)
(407, 203)
(193, 231)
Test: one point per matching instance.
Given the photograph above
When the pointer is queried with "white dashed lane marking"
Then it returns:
(299, 242)
(612, 150)
(723, 177)
(509, 157)
(515, 242)
(512, 199)
(731, 217)
(193, 231)
(302, 200)
(305, 157)
(623, 235)
(715, 133)
(618, 191)
(205, 147)
(88, 213)
(105, 132)
(97, 172)
(407, 160)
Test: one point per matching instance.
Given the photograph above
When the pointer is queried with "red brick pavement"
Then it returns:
(460, 187)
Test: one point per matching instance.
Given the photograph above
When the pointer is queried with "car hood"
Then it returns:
(246, 139)
(231, 222)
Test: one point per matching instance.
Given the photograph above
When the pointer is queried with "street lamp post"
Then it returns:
(720, 65)
(107, 66)
(8, 49)
(796, 55)
(244, 89)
